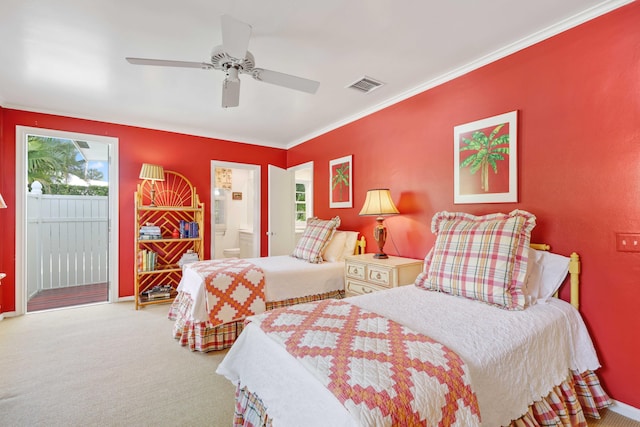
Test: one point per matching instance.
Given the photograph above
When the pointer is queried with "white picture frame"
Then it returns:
(486, 160)
(341, 182)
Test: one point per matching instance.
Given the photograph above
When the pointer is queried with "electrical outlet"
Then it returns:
(628, 242)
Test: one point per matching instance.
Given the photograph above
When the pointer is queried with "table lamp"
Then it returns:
(152, 173)
(378, 203)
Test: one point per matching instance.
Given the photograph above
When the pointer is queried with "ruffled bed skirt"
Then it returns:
(204, 337)
(566, 405)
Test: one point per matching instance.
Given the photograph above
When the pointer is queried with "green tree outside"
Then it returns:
(51, 161)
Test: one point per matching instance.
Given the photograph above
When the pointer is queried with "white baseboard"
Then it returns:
(123, 299)
(625, 410)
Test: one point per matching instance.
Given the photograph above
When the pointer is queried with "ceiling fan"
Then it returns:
(233, 58)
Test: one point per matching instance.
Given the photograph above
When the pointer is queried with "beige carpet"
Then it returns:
(108, 365)
(612, 419)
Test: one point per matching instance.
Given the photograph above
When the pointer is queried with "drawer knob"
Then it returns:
(366, 290)
(378, 276)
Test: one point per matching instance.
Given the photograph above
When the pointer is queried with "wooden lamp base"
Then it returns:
(380, 235)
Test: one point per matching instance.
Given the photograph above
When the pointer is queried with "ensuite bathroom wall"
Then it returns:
(234, 210)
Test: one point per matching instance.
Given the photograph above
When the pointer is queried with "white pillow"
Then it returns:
(546, 271)
(335, 248)
(531, 279)
(350, 244)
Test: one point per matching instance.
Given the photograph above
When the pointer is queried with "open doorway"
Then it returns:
(303, 180)
(235, 210)
(66, 198)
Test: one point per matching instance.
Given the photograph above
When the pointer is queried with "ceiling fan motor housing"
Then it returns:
(221, 60)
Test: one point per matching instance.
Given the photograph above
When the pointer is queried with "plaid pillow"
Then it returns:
(480, 257)
(315, 238)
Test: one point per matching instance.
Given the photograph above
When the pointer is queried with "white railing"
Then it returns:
(67, 241)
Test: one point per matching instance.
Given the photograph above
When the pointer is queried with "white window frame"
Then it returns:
(307, 185)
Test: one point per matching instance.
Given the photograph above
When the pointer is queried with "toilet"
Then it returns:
(231, 252)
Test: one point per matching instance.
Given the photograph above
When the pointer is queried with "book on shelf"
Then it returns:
(158, 292)
(147, 260)
(150, 236)
(150, 232)
(193, 229)
(188, 229)
(157, 295)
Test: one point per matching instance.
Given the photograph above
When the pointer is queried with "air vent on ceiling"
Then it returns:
(365, 84)
(82, 144)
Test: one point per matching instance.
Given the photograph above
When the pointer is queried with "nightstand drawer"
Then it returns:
(353, 287)
(364, 273)
(355, 270)
(380, 276)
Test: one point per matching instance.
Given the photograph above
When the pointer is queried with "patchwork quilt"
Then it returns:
(383, 373)
(234, 289)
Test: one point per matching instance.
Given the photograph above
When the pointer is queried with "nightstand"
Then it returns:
(364, 274)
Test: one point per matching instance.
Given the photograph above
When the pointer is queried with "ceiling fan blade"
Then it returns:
(235, 36)
(286, 80)
(230, 93)
(168, 63)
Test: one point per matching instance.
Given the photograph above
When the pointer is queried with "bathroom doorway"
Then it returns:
(235, 210)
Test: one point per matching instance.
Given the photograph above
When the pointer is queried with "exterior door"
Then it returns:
(51, 268)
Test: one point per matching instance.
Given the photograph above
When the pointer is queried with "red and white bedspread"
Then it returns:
(234, 289)
(382, 372)
(285, 277)
(287, 281)
(514, 358)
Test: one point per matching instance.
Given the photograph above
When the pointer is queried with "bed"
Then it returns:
(511, 354)
(209, 310)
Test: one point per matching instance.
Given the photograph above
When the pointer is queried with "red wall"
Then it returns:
(578, 100)
(189, 155)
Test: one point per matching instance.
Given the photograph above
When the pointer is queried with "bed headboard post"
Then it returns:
(361, 246)
(540, 246)
(574, 272)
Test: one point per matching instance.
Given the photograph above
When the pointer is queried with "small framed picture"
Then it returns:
(485, 160)
(340, 183)
(236, 195)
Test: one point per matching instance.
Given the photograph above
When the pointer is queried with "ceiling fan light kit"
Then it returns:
(233, 58)
(231, 92)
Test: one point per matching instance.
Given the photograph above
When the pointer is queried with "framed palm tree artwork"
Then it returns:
(340, 183)
(485, 160)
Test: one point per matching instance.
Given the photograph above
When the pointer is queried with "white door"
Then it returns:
(281, 233)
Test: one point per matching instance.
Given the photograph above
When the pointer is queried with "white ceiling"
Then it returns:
(67, 57)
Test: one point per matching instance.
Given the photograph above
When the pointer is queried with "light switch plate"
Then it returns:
(628, 242)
